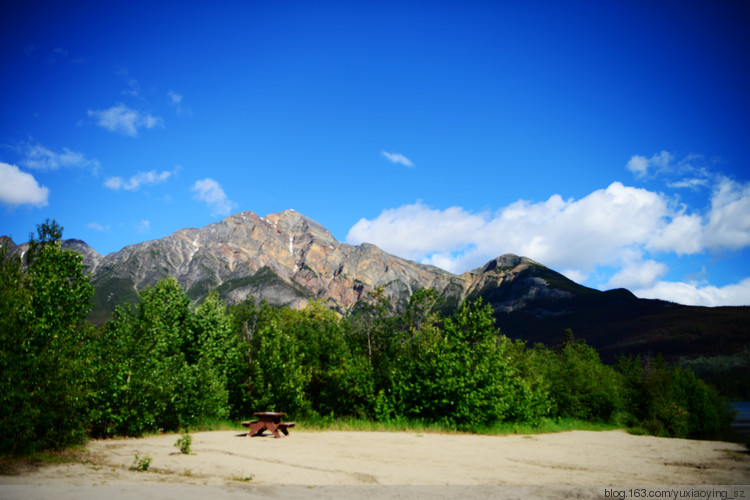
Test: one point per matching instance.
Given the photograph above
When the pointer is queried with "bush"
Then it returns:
(184, 442)
(141, 464)
(278, 378)
(672, 401)
(578, 384)
(464, 374)
(164, 366)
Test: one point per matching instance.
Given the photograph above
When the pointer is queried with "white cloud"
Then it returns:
(620, 236)
(698, 293)
(620, 227)
(141, 178)
(143, 226)
(115, 183)
(574, 275)
(690, 172)
(638, 275)
(725, 225)
(398, 158)
(577, 235)
(413, 231)
(98, 227)
(640, 165)
(729, 219)
(124, 120)
(20, 188)
(175, 100)
(683, 236)
(690, 183)
(39, 157)
(151, 121)
(211, 193)
(134, 88)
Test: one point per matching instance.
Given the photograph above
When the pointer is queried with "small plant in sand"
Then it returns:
(141, 464)
(183, 444)
(244, 479)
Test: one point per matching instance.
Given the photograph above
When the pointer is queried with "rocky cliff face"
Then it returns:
(285, 259)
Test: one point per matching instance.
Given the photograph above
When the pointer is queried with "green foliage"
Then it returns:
(184, 443)
(162, 364)
(46, 374)
(338, 382)
(277, 376)
(463, 375)
(672, 401)
(579, 385)
(730, 374)
(369, 329)
(220, 347)
(141, 464)
(456, 371)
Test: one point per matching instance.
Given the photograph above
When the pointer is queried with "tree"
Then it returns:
(163, 366)
(278, 378)
(339, 383)
(672, 401)
(221, 348)
(46, 374)
(421, 309)
(463, 374)
(370, 326)
(579, 385)
(480, 383)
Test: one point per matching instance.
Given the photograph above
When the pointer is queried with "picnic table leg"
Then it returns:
(273, 427)
(256, 429)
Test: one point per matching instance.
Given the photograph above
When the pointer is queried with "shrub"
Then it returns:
(672, 401)
(183, 443)
(278, 378)
(141, 464)
(162, 366)
(579, 385)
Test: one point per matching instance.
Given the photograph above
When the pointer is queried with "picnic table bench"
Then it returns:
(268, 420)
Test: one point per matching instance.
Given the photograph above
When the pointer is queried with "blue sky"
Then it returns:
(606, 140)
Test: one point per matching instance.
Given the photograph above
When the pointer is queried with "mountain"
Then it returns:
(288, 259)
(285, 259)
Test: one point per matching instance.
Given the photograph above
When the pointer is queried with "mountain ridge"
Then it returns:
(288, 259)
(300, 261)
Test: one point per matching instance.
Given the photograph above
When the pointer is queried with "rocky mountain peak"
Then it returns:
(297, 225)
(504, 262)
(7, 241)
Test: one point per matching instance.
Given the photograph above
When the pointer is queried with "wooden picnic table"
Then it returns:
(268, 420)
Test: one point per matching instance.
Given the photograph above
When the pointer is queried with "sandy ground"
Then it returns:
(319, 463)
